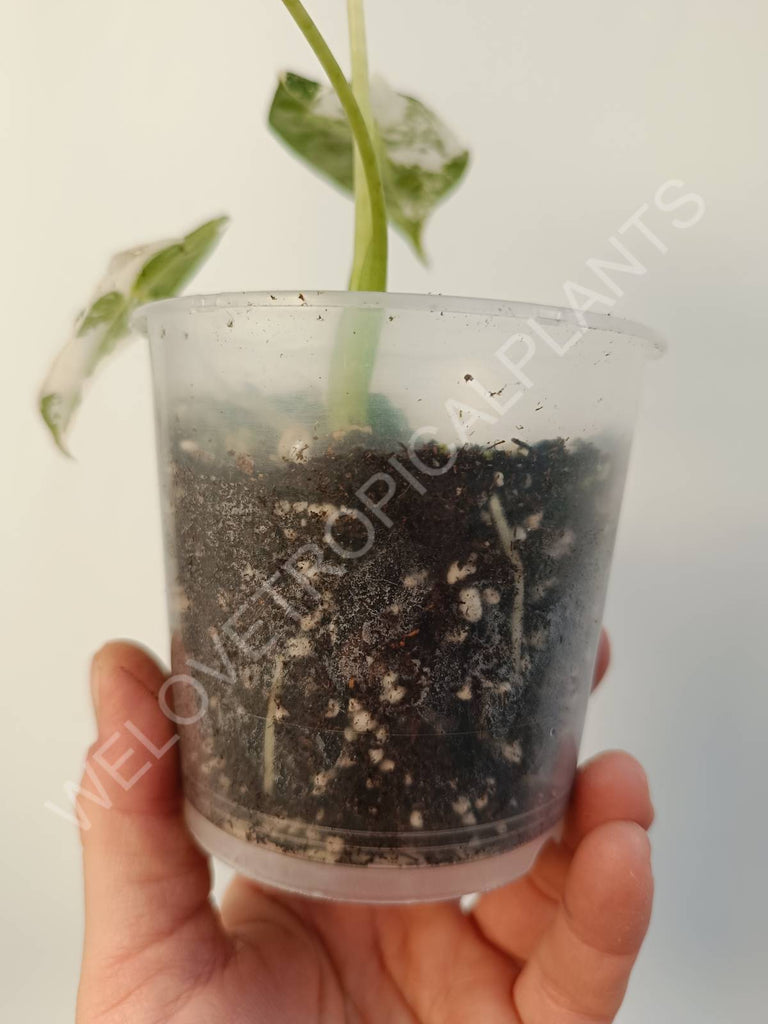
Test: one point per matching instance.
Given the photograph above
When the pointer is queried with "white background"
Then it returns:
(120, 123)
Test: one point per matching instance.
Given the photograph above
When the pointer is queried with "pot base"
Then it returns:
(371, 884)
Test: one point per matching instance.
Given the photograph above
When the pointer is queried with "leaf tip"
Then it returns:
(216, 227)
(47, 406)
(414, 231)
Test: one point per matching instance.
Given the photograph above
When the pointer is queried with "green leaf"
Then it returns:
(421, 160)
(158, 270)
(105, 310)
(310, 120)
(169, 270)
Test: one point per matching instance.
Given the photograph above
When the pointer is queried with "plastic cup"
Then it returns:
(384, 638)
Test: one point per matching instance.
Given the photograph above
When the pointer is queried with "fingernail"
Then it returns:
(95, 681)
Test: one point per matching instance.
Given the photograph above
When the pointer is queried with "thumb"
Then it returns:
(145, 880)
(581, 967)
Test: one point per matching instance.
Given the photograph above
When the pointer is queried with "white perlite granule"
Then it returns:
(390, 692)
(512, 752)
(461, 805)
(471, 604)
(362, 721)
(458, 572)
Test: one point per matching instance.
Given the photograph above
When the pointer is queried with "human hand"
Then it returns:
(555, 947)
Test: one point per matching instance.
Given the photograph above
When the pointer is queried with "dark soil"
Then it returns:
(435, 684)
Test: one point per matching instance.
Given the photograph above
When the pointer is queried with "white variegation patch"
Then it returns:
(156, 270)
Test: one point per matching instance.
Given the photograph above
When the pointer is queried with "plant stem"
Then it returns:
(359, 329)
(372, 274)
(351, 369)
(362, 92)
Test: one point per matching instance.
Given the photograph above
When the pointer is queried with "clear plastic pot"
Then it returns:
(385, 602)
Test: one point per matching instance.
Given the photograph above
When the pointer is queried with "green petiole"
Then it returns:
(370, 265)
(355, 351)
(365, 238)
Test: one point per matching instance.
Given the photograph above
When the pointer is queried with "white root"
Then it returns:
(516, 624)
(269, 727)
(506, 538)
(501, 524)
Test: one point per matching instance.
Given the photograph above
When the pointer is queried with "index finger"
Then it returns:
(603, 659)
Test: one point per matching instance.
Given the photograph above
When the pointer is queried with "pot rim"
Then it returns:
(546, 315)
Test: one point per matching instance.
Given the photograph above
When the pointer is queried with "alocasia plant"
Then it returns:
(393, 154)
(420, 159)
